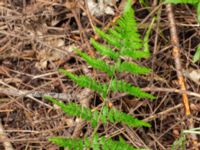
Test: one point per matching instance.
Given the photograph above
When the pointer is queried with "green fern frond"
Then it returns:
(182, 1)
(133, 68)
(122, 86)
(122, 40)
(112, 115)
(85, 81)
(104, 50)
(96, 143)
(97, 63)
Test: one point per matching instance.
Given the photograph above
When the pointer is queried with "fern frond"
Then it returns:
(112, 115)
(85, 81)
(96, 143)
(125, 38)
(97, 63)
(122, 86)
(182, 1)
(104, 50)
(133, 68)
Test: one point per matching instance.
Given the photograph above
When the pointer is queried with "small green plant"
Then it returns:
(195, 3)
(179, 144)
(196, 56)
(123, 39)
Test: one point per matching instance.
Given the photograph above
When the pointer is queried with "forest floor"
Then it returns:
(37, 37)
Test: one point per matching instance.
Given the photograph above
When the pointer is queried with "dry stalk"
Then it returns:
(3, 138)
(176, 55)
(36, 94)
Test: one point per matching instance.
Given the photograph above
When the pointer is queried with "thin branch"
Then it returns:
(176, 55)
(171, 90)
(4, 138)
(36, 94)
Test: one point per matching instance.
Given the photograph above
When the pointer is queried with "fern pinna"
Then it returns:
(123, 39)
(95, 143)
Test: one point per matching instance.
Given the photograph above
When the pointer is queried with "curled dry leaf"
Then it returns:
(193, 75)
(101, 7)
(46, 55)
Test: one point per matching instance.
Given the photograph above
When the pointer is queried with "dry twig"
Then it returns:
(3, 138)
(176, 55)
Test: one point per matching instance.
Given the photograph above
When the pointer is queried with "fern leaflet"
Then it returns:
(123, 86)
(115, 85)
(96, 143)
(136, 54)
(104, 50)
(97, 63)
(85, 81)
(112, 115)
(133, 68)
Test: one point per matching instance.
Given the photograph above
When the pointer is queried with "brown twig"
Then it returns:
(176, 55)
(171, 90)
(165, 112)
(4, 138)
(36, 94)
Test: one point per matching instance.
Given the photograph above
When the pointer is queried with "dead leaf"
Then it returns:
(101, 7)
(193, 75)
